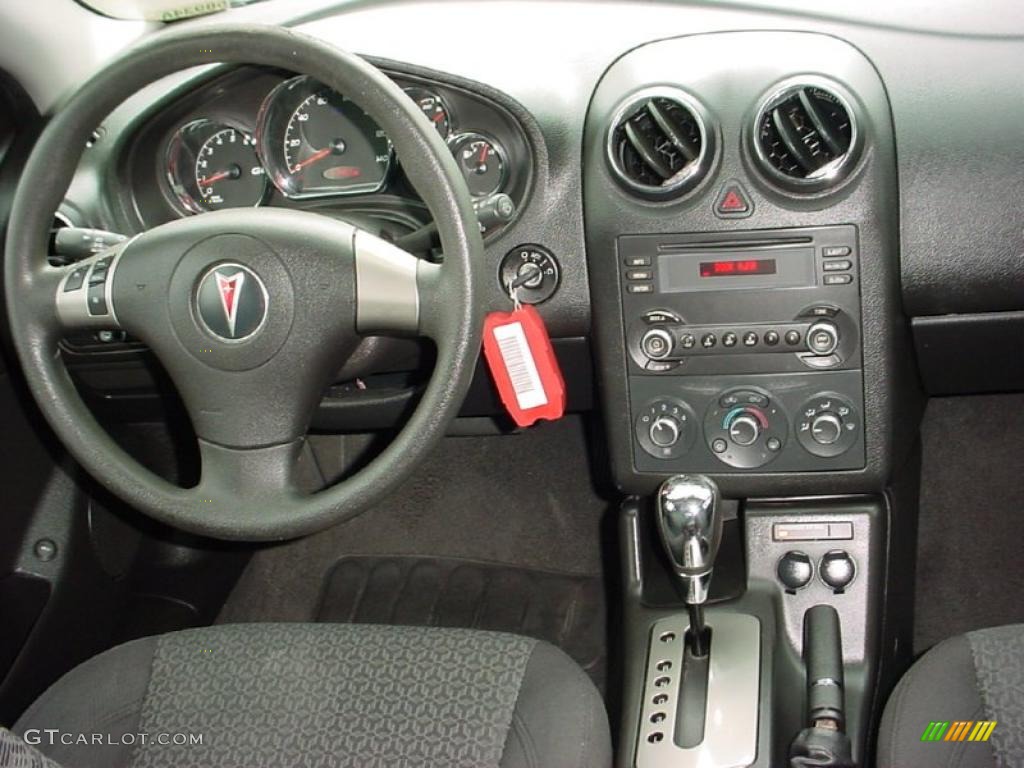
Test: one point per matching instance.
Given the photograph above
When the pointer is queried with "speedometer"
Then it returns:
(316, 142)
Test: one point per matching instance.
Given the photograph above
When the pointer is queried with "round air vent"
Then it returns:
(659, 143)
(806, 136)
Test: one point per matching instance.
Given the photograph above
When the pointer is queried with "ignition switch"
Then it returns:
(533, 270)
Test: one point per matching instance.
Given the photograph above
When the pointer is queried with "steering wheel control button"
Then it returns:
(828, 425)
(745, 428)
(231, 302)
(795, 570)
(837, 570)
(75, 279)
(666, 428)
(98, 299)
(534, 273)
(823, 338)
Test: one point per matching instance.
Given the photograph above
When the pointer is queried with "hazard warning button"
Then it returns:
(733, 202)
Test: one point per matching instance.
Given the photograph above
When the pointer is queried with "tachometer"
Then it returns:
(315, 142)
(212, 166)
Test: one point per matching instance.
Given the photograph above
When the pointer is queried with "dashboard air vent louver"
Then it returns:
(806, 137)
(659, 145)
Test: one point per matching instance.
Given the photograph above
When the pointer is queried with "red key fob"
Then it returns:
(522, 362)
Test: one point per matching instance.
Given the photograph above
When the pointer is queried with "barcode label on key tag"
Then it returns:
(523, 364)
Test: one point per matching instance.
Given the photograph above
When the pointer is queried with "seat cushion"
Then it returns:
(968, 679)
(324, 695)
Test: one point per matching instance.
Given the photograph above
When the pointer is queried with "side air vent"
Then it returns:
(660, 144)
(806, 137)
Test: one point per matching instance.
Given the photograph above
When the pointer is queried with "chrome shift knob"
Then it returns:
(690, 524)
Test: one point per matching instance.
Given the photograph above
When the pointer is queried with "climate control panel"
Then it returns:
(775, 423)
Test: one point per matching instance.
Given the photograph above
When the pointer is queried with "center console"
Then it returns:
(741, 213)
(744, 350)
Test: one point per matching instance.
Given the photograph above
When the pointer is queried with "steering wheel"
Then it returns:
(250, 311)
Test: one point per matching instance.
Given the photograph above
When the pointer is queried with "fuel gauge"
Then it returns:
(482, 161)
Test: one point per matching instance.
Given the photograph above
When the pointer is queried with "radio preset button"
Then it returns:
(830, 251)
(792, 338)
(838, 279)
(771, 338)
(729, 339)
(750, 339)
(688, 341)
(708, 340)
(837, 265)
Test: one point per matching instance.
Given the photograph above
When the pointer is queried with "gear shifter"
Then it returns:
(690, 525)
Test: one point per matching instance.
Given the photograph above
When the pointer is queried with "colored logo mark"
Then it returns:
(959, 730)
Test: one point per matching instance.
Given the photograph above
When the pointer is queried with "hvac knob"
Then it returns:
(664, 431)
(826, 428)
(657, 344)
(744, 430)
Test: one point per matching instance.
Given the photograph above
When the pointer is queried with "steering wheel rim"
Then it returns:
(243, 503)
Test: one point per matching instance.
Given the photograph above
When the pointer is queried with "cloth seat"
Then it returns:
(969, 679)
(331, 695)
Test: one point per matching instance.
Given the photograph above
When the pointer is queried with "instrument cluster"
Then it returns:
(271, 140)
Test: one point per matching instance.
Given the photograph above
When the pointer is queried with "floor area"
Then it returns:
(523, 515)
(970, 563)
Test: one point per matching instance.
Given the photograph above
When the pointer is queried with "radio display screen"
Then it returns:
(742, 268)
(737, 267)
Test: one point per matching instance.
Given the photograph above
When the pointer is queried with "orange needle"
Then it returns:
(206, 180)
(314, 158)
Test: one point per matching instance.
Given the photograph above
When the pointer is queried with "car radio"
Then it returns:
(744, 349)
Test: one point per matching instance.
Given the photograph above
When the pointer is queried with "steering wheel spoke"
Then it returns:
(395, 290)
(231, 477)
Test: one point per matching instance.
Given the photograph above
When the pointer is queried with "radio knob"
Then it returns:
(657, 344)
(823, 338)
(744, 430)
(664, 431)
(826, 428)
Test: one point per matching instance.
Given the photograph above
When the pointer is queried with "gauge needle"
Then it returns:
(438, 117)
(219, 176)
(483, 153)
(314, 158)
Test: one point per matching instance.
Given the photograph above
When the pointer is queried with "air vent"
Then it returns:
(659, 144)
(806, 137)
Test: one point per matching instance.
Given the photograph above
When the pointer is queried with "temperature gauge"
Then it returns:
(434, 107)
(482, 162)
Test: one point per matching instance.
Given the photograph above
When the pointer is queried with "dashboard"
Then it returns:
(707, 179)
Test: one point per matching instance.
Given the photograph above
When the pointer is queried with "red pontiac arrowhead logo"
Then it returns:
(231, 302)
(229, 288)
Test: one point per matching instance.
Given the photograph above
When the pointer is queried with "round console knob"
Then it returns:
(837, 569)
(664, 431)
(823, 338)
(657, 343)
(826, 428)
(744, 430)
(795, 570)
